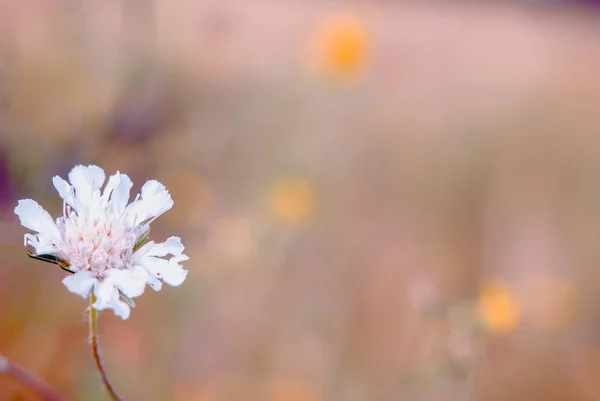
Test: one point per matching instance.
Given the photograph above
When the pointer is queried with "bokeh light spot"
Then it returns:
(293, 199)
(497, 308)
(339, 47)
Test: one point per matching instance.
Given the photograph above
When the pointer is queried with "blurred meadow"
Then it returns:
(381, 200)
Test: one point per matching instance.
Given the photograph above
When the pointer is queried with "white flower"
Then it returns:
(99, 237)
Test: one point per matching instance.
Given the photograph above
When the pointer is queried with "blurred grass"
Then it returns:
(348, 181)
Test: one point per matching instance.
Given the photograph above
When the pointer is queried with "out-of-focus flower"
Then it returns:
(339, 47)
(293, 199)
(497, 308)
(100, 238)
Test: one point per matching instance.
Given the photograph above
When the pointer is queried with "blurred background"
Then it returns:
(381, 200)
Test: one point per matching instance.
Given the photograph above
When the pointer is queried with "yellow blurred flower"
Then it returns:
(339, 47)
(497, 308)
(292, 199)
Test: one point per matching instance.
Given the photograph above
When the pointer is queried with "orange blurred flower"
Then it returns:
(339, 47)
(293, 199)
(497, 308)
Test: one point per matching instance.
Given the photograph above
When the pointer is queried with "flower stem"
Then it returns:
(19, 374)
(96, 350)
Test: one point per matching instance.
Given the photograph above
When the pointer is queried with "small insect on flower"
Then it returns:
(102, 240)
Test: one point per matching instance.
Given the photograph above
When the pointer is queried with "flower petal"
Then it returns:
(157, 198)
(35, 218)
(107, 297)
(87, 177)
(131, 281)
(80, 283)
(171, 246)
(168, 271)
(41, 244)
(113, 180)
(120, 195)
(104, 291)
(65, 190)
(153, 201)
(121, 309)
(154, 283)
(85, 180)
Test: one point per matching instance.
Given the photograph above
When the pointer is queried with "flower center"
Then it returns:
(95, 244)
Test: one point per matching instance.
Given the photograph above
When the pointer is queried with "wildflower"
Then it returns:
(100, 238)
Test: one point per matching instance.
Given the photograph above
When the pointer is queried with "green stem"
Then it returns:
(37, 386)
(96, 350)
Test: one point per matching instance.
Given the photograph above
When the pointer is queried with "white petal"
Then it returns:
(65, 191)
(154, 201)
(120, 195)
(35, 218)
(40, 243)
(131, 282)
(154, 283)
(95, 204)
(157, 198)
(121, 309)
(179, 258)
(91, 177)
(113, 302)
(113, 180)
(104, 291)
(150, 257)
(85, 180)
(168, 271)
(171, 246)
(80, 283)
